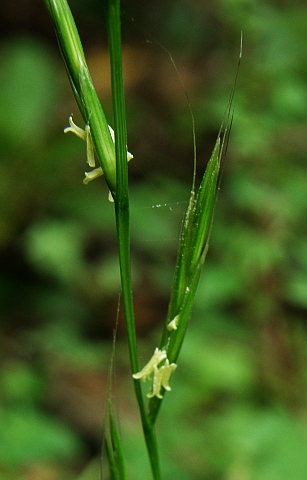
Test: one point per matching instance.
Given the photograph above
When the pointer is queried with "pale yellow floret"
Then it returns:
(161, 375)
(156, 386)
(168, 369)
(90, 155)
(161, 379)
(129, 155)
(145, 373)
(75, 129)
(89, 176)
(173, 323)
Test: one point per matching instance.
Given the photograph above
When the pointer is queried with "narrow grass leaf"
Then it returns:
(193, 247)
(114, 447)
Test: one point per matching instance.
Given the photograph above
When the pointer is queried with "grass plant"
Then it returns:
(195, 233)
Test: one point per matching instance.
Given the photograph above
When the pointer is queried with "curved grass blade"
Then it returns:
(193, 247)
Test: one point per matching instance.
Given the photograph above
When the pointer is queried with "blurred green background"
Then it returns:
(238, 407)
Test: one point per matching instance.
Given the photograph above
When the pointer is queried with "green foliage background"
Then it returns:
(238, 404)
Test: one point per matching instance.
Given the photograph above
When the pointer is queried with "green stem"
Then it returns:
(123, 219)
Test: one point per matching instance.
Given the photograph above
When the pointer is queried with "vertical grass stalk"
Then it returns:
(123, 218)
